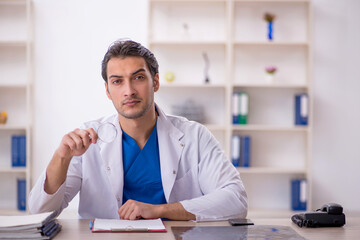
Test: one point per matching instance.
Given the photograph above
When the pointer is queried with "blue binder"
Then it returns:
(245, 151)
(298, 194)
(301, 109)
(21, 194)
(22, 151)
(15, 159)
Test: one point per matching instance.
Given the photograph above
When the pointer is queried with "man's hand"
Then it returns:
(74, 143)
(133, 210)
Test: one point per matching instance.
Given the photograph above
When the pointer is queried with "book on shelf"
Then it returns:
(240, 107)
(301, 109)
(36, 226)
(240, 150)
(245, 151)
(18, 151)
(21, 194)
(298, 194)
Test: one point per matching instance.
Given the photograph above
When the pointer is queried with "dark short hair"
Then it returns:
(129, 48)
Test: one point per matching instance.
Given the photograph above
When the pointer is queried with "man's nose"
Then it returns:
(129, 89)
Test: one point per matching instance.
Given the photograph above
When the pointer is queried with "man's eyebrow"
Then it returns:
(137, 71)
(119, 76)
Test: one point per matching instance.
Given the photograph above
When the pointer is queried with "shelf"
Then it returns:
(13, 43)
(12, 212)
(15, 97)
(12, 127)
(270, 85)
(176, 85)
(187, 42)
(234, 35)
(269, 170)
(250, 127)
(274, 43)
(13, 169)
(271, 1)
(13, 2)
(191, 1)
(11, 85)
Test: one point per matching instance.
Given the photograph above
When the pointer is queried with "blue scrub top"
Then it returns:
(142, 175)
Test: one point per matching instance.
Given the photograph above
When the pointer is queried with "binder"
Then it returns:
(243, 107)
(14, 151)
(235, 150)
(22, 151)
(298, 194)
(235, 108)
(21, 194)
(18, 151)
(245, 151)
(301, 109)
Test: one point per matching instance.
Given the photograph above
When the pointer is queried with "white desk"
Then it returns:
(79, 229)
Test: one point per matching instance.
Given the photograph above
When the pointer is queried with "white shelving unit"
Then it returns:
(233, 34)
(15, 95)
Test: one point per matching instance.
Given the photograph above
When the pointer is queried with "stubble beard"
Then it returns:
(137, 114)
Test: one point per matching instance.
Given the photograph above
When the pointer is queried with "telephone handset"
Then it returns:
(331, 208)
(329, 215)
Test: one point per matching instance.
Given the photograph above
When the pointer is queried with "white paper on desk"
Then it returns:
(128, 225)
(34, 220)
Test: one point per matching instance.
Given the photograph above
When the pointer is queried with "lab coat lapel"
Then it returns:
(170, 149)
(111, 154)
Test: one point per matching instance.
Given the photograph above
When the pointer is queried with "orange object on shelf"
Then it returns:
(3, 117)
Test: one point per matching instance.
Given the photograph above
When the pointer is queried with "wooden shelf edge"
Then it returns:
(269, 170)
(250, 127)
(175, 85)
(13, 170)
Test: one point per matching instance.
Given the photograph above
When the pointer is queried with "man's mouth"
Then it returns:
(131, 103)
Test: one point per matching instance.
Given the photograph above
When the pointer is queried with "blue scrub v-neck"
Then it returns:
(142, 175)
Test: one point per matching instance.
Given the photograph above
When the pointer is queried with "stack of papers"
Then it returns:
(36, 226)
(116, 225)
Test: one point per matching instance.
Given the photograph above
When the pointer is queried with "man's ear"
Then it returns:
(156, 82)
(107, 91)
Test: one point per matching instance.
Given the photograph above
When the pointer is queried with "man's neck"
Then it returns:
(141, 128)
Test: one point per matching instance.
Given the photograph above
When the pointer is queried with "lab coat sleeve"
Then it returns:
(224, 193)
(40, 201)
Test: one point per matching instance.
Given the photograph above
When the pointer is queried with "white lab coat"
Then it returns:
(194, 172)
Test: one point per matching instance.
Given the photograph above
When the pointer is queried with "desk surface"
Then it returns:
(79, 229)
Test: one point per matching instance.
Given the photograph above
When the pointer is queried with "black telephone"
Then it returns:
(329, 215)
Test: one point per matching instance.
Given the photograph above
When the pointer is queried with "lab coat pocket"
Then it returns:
(186, 187)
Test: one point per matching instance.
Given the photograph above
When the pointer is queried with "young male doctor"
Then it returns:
(159, 166)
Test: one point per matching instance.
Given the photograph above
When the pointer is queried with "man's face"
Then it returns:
(130, 86)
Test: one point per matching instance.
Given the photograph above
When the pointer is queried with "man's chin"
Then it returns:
(132, 114)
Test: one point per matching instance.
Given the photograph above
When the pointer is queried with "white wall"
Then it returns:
(71, 38)
(336, 156)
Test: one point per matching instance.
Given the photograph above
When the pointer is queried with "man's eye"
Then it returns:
(116, 81)
(139, 77)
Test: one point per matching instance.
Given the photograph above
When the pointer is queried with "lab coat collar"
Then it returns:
(111, 154)
(170, 149)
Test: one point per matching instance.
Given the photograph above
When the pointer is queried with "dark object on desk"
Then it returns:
(329, 215)
(240, 222)
(235, 233)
